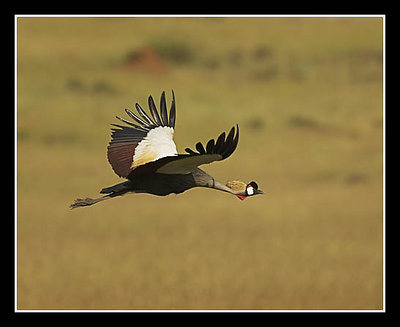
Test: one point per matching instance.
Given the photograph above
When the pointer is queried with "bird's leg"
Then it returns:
(87, 201)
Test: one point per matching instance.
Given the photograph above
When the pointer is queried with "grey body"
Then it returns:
(158, 184)
(162, 184)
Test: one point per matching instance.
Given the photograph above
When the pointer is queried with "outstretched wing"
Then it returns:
(144, 141)
(186, 163)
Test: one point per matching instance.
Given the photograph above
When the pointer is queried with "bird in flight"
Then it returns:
(144, 153)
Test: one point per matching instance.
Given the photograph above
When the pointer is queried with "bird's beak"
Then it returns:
(259, 192)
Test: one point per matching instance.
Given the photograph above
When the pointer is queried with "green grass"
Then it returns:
(307, 94)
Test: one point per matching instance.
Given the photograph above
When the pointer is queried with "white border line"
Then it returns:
(213, 16)
(15, 162)
(384, 164)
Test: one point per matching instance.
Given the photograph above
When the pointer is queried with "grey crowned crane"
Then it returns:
(145, 154)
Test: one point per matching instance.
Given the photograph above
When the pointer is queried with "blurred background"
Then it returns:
(307, 95)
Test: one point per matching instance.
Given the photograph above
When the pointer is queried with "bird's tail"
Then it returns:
(112, 191)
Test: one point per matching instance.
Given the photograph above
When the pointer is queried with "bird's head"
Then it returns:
(244, 190)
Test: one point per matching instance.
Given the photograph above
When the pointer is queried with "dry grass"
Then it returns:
(307, 94)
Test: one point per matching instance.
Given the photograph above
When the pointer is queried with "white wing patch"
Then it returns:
(158, 143)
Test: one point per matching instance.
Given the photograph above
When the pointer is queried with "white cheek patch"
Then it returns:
(250, 190)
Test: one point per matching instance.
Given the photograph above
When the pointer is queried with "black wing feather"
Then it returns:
(154, 112)
(143, 114)
(232, 144)
(200, 148)
(228, 141)
(224, 147)
(163, 110)
(190, 151)
(210, 146)
(220, 143)
(136, 118)
(131, 124)
(172, 112)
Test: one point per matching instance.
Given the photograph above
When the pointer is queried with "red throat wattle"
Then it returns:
(241, 197)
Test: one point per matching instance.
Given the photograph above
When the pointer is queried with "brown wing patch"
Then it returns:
(121, 149)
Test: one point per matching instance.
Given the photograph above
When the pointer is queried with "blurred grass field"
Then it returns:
(307, 95)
